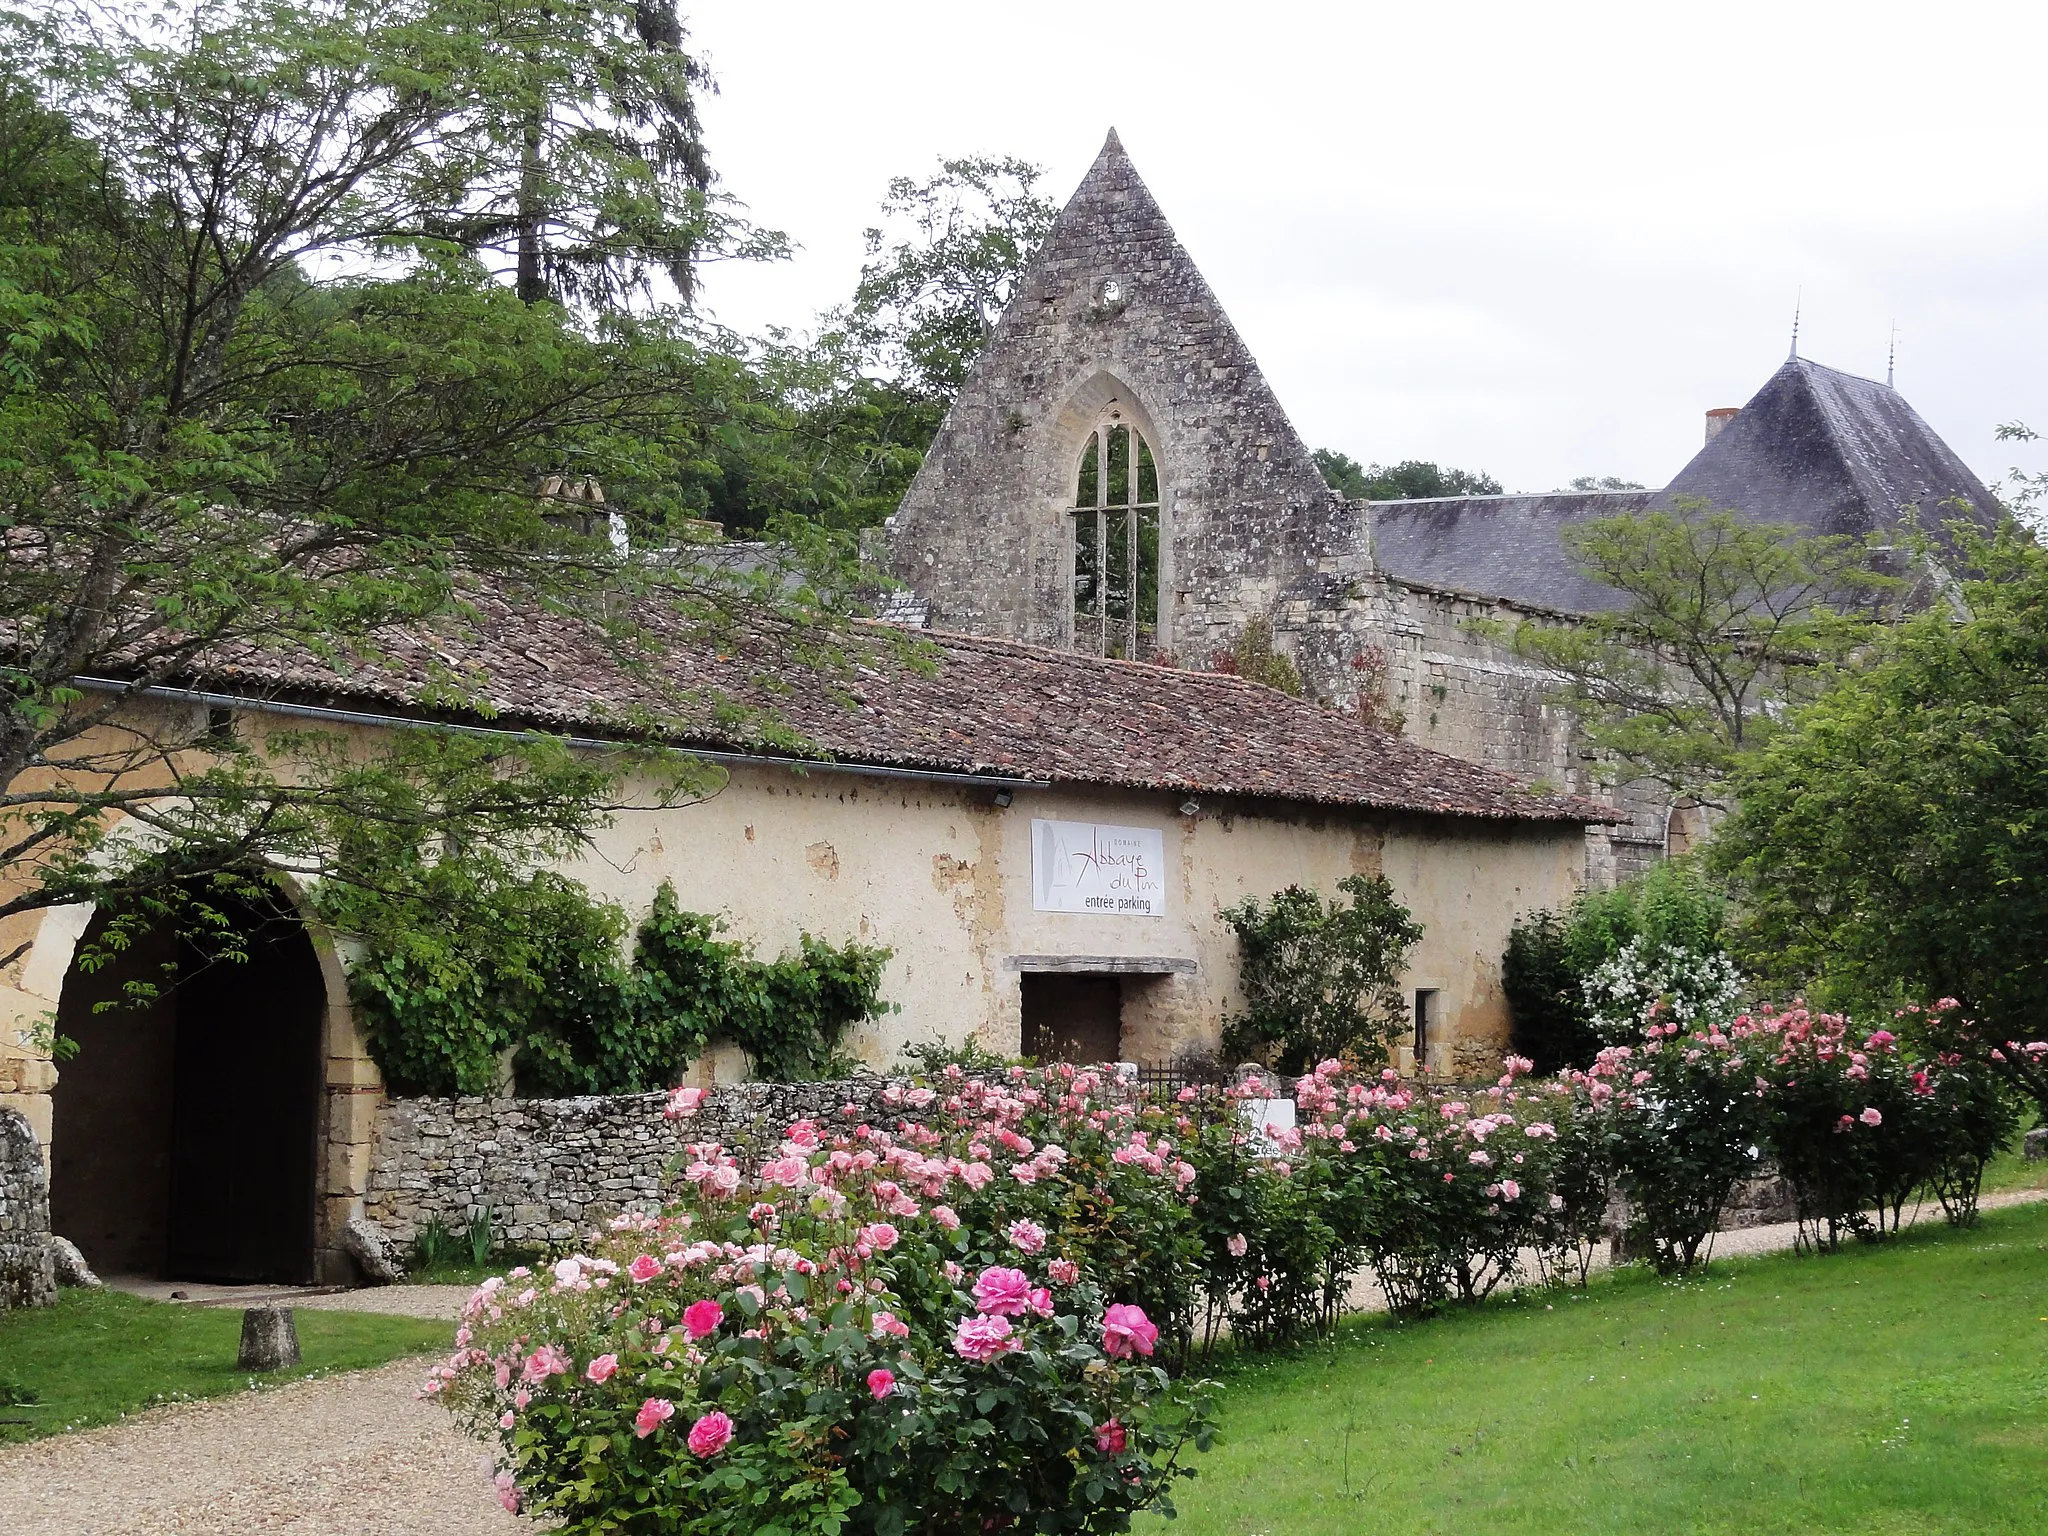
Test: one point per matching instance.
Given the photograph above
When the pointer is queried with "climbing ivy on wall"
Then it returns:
(534, 966)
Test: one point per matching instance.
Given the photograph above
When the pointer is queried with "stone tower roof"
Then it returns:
(1113, 318)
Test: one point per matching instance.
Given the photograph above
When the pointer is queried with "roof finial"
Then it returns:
(1891, 357)
(1798, 297)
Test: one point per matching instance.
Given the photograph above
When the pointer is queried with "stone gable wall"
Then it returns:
(983, 536)
(27, 1278)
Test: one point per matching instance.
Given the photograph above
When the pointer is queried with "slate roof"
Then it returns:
(1498, 546)
(987, 706)
(1823, 450)
(1834, 454)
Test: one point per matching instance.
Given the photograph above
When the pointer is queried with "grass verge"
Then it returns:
(1891, 1389)
(98, 1355)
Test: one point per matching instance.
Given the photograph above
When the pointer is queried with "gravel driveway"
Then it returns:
(353, 1455)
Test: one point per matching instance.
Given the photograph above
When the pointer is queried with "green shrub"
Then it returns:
(1668, 921)
(1319, 976)
(459, 967)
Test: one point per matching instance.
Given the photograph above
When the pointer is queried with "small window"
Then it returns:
(1425, 1021)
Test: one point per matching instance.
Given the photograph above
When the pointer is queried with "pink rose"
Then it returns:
(881, 1383)
(1871, 1117)
(1063, 1272)
(644, 1268)
(1041, 1302)
(946, 1217)
(879, 1235)
(654, 1413)
(683, 1102)
(981, 1338)
(508, 1491)
(702, 1318)
(1510, 1190)
(1237, 1245)
(888, 1326)
(1126, 1328)
(1003, 1292)
(1110, 1438)
(710, 1434)
(1029, 1236)
(600, 1370)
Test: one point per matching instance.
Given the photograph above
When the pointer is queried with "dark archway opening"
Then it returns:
(186, 1129)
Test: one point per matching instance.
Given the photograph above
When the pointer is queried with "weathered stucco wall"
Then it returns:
(942, 876)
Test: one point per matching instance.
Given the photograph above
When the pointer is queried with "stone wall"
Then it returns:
(27, 1278)
(547, 1168)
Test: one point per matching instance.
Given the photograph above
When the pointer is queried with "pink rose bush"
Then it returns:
(840, 1331)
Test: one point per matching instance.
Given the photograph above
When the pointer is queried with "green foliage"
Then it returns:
(1411, 479)
(258, 413)
(1603, 483)
(1728, 623)
(1319, 975)
(1544, 990)
(789, 1015)
(1253, 658)
(1672, 906)
(930, 294)
(1892, 841)
(931, 1057)
(463, 962)
(460, 966)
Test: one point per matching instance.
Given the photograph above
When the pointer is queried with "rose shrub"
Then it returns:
(813, 1345)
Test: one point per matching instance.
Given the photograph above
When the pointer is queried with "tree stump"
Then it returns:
(270, 1340)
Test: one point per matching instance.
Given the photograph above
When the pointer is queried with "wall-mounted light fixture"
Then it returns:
(1191, 808)
(1004, 797)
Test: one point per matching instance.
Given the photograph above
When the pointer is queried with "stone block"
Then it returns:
(2035, 1143)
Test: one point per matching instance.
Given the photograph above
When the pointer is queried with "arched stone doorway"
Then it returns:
(186, 1131)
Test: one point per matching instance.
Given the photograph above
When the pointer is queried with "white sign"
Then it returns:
(1077, 866)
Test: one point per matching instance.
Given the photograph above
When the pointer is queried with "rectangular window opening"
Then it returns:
(1425, 1020)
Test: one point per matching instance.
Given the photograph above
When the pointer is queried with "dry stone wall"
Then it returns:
(547, 1168)
(27, 1274)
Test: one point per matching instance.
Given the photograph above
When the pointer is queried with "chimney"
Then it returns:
(1719, 417)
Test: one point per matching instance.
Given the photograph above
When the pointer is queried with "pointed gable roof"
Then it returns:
(1111, 313)
(1832, 454)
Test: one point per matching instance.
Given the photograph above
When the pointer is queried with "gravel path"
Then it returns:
(353, 1455)
(350, 1455)
(430, 1301)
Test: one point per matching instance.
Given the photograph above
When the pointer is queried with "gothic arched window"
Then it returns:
(1116, 543)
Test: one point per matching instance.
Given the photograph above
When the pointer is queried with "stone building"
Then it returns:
(1117, 477)
(1043, 839)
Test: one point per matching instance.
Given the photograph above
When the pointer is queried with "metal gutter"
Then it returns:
(333, 716)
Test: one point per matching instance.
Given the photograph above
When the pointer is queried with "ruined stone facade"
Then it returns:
(1112, 326)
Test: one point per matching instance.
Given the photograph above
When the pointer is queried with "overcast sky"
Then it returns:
(1535, 239)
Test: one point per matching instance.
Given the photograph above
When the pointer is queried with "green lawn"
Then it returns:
(1895, 1389)
(2009, 1170)
(97, 1355)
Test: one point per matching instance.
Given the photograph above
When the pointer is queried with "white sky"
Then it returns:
(1534, 239)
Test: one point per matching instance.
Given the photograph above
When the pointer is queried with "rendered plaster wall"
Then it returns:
(942, 876)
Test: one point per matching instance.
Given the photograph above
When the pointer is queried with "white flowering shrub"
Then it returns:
(1650, 983)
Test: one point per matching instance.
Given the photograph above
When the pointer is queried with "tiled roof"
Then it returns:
(980, 706)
